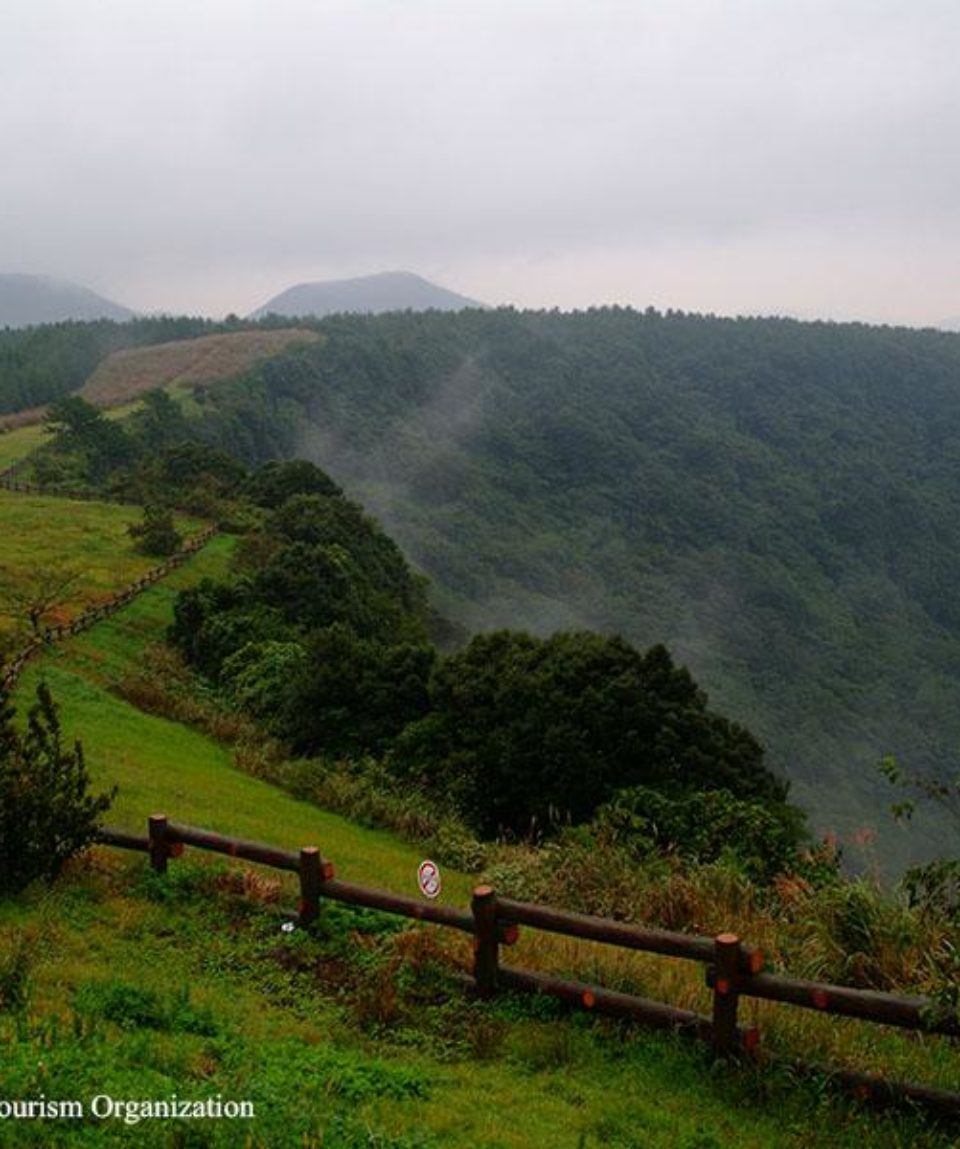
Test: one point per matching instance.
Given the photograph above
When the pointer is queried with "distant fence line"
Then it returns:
(734, 970)
(9, 483)
(6, 475)
(13, 669)
(102, 610)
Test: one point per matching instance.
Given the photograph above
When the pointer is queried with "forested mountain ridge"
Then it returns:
(776, 501)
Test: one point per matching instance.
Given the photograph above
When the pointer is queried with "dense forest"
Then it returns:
(775, 501)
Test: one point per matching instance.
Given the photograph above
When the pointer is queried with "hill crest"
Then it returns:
(367, 294)
(30, 300)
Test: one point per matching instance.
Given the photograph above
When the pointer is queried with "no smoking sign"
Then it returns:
(428, 878)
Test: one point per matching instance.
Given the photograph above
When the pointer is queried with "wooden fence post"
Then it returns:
(486, 941)
(725, 997)
(159, 847)
(310, 879)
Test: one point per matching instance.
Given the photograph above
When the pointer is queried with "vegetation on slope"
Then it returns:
(323, 638)
(180, 1036)
(40, 364)
(117, 983)
(773, 501)
(63, 556)
(186, 363)
(110, 363)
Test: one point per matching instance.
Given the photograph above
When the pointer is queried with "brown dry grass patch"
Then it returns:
(124, 375)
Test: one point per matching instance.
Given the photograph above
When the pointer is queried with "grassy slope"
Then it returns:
(534, 1083)
(296, 1050)
(209, 359)
(17, 444)
(160, 764)
(90, 538)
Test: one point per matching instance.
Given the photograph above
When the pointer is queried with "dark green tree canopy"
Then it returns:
(81, 429)
(530, 731)
(323, 637)
(156, 533)
(160, 422)
(275, 482)
(775, 501)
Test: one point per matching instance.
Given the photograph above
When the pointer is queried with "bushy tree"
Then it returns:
(527, 731)
(354, 695)
(704, 826)
(156, 534)
(47, 813)
(258, 677)
(160, 422)
(82, 429)
(212, 621)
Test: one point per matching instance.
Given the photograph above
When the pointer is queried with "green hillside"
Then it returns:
(777, 502)
(46, 541)
(114, 982)
(357, 1030)
(159, 764)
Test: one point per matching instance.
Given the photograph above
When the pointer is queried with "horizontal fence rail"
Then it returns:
(20, 487)
(865, 1004)
(733, 970)
(621, 934)
(102, 610)
(398, 904)
(646, 1012)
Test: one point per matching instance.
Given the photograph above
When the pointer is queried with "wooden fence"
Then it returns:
(733, 970)
(101, 610)
(12, 670)
(9, 483)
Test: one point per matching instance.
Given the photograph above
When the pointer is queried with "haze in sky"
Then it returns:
(737, 156)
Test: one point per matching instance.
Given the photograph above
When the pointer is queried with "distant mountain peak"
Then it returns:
(371, 294)
(27, 300)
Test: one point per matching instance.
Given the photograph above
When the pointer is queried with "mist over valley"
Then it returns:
(775, 501)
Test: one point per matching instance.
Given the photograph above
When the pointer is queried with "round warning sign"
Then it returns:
(428, 878)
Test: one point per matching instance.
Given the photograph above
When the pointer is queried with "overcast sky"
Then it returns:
(737, 156)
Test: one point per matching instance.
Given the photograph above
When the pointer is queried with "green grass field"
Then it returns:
(42, 535)
(191, 991)
(17, 444)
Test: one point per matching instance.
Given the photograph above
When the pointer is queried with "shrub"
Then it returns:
(703, 826)
(156, 534)
(46, 811)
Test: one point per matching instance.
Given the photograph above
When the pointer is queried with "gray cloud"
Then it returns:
(732, 155)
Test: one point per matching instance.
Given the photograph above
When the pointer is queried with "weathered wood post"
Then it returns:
(310, 879)
(726, 1040)
(486, 941)
(159, 846)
